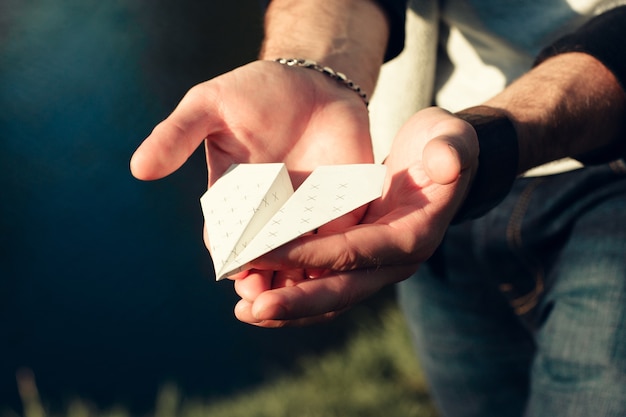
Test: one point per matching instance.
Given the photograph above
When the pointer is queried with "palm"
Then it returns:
(425, 185)
(262, 112)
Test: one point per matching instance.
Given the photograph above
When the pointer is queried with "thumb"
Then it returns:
(173, 140)
(445, 157)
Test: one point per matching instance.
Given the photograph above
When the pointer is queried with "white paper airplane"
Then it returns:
(253, 208)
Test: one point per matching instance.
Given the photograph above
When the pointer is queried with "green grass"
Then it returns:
(374, 374)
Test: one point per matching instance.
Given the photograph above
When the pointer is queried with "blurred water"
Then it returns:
(105, 285)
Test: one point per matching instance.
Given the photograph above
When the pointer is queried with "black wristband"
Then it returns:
(396, 12)
(497, 161)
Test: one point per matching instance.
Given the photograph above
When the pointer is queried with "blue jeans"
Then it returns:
(523, 311)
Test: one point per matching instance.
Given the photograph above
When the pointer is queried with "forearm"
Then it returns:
(569, 105)
(349, 36)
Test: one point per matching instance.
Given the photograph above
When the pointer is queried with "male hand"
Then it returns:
(261, 112)
(429, 171)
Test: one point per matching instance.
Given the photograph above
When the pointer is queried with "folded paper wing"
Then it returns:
(238, 205)
(253, 209)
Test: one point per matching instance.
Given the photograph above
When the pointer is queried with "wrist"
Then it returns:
(348, 36)
(340, 77)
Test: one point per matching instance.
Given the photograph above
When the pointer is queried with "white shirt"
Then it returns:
(487, 44)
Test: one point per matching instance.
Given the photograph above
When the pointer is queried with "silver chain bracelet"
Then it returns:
(335, 75)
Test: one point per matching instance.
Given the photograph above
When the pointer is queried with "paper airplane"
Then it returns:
(253, 209)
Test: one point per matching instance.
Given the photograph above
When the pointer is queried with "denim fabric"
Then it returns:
(523, 312)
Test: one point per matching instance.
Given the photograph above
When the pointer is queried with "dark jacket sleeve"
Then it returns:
(603, 37)
(396, 12)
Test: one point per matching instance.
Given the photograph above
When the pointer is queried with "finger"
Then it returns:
(322, 296)
(254, 283)
(445, 157)
(173, 140)
(441, 161)
(243, 312)
(359, 247)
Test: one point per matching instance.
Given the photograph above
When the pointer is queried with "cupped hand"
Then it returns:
(261, 112)
(430, 167)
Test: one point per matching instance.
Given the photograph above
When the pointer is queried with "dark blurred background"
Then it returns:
(106, 289)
